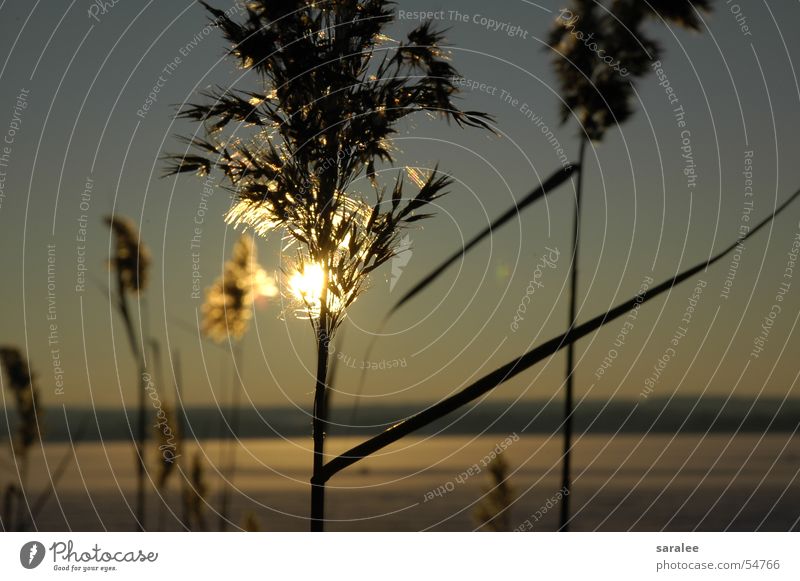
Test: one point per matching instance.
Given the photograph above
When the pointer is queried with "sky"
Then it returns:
(86, 141)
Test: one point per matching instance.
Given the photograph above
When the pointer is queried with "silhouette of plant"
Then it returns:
(334, 88)
(493, 513)
(228, 307)
(129, 263)
(227, 311)
(194, 495)
(22, 384)
(599, 96)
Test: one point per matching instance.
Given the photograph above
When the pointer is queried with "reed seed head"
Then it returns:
(601, 51)
(130, 258)
(22, 383)
(333, 89)
(228, 307)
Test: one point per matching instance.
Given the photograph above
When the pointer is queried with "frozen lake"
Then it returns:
(720, 482)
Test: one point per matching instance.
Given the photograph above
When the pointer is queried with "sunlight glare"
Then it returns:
(307, 284)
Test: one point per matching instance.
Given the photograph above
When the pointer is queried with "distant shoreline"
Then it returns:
(684, 415)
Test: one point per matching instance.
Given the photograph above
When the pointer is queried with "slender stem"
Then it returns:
(181, 423)
(142, 436)
(141, 432)
(7, 518)
(224, 398)
(566, 481)
(222, 422)
(319, 427)
(155, 348)
(230, 443)
(22, 493)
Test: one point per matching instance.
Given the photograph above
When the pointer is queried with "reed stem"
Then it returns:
(566, 479)
(141, 430)
(319, 426)
(231, 441)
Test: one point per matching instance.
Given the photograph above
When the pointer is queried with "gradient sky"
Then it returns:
(87, 79)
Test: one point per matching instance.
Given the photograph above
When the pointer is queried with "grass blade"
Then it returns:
(550, 183)
(529, 359)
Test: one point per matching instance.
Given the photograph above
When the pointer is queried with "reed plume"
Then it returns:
(130, 261)
(131, 258)
(333, 88)
(493, 512)
(228, 306)
(227, 311)
(21, 382)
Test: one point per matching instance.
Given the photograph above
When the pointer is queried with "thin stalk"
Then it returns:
(181, 422)
(155, 349)
(141, 431)
(7, 519)
(320, 412)
(162, 513)
(22, 493)
(566, 481)
(224, 397)
(230, 443)
(319, 426)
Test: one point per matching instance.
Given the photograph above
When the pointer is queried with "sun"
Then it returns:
(308, 282)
